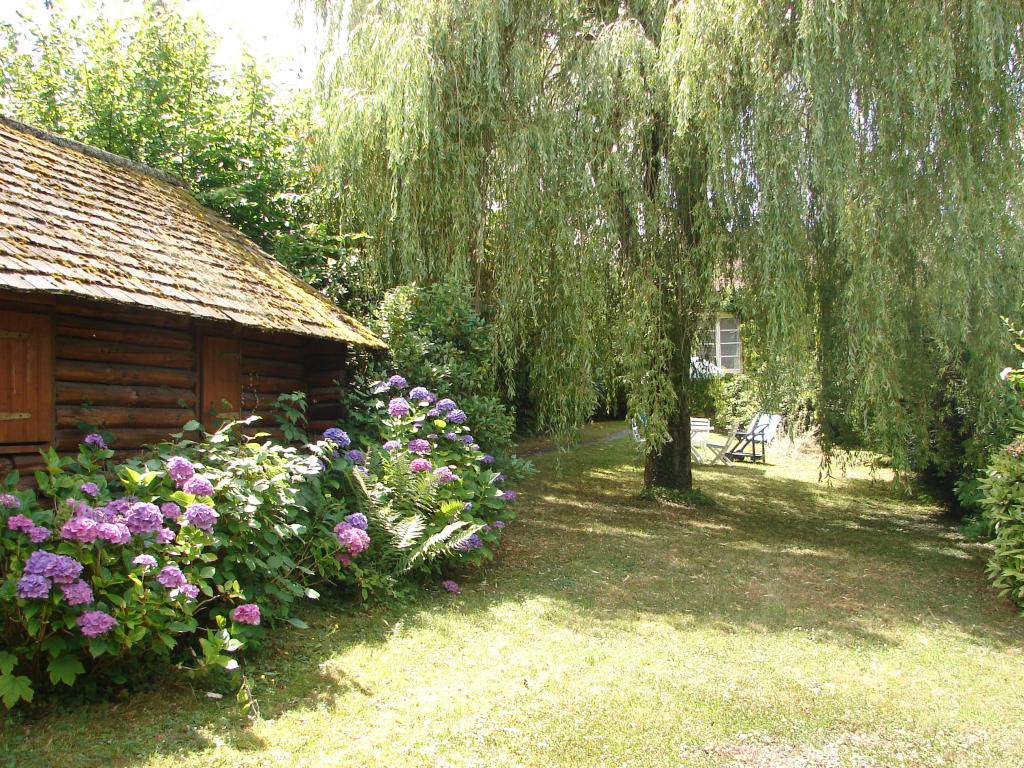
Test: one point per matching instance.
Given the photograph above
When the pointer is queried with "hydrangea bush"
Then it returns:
(430, 493)
(96, 567)
(184, 553)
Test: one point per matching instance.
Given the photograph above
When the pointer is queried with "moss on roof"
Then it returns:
(81, 222)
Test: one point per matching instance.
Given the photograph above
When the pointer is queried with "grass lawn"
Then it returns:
(787, 624)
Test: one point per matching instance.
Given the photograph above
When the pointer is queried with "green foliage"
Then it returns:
(597, 171)
(147, 88)
(1003, 505)
(43, 634)
(437, 339)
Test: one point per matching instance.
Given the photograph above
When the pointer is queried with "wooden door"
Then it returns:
(26, 378)
(220, 380)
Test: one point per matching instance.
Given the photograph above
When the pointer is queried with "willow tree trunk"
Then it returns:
(670, 467)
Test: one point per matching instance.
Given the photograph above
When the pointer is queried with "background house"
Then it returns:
(127, 306)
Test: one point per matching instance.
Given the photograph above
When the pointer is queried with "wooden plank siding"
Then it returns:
(142, 375)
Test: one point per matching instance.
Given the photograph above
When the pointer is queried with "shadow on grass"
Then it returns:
(854, 564)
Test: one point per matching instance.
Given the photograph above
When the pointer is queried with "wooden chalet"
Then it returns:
(127, 306)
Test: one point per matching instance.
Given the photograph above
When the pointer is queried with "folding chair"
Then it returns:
(700, 428)
(750, 443)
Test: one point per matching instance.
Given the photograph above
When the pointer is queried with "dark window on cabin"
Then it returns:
(26, 378)
(220, 380)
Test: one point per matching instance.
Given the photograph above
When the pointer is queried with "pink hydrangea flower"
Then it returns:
(355, 540)
(419, 465)
(198, 485)
(94, 623)
(20, 523)
(451, 586)
(81, 529)
(247, 613)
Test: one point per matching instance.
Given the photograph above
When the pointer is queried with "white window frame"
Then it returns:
(715, 335)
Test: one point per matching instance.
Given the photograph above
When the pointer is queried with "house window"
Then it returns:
(26, 379)
(722, 345)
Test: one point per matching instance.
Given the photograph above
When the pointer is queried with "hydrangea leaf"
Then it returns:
(14, 688)
(64, 669)
(7, 662)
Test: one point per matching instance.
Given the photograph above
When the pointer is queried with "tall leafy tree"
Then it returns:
(596, 170)
(147, 88)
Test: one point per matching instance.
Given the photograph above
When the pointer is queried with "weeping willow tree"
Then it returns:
(595, 170)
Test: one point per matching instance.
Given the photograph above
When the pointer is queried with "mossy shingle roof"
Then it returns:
(79, 222)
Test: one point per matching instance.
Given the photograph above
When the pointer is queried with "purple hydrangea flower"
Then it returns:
(10, 501)
(144, 561)
(398, 382)
(165, 536)
(38, 534)
(445, 404)
(391, 445)
(466, 439)
(456, 416)
(198, 485)
(499, 523)
(499, 478)
(451, 586)
(398, 406)
(180, 469)
(91, 489)
(39, 562)
(487, 459)
(450, 436)
(171, 577)
(357, 520)
(93, 623)
(353, 539)
(190, 591)
(202, 516)
(467, 506)
(115, 533)
(356, 456)
(509, 495)
(419, 465)
(33, 587)
(144, 517)
(378, 386)
(473, 542)
(170, 510)
(61, 569)
(433, 413)
(422, 395)
(445, 475)
(419, 445)
(475, 447)
(338, 437)
(95, 440)
(432, 436)
(20, 523)
(247, 613)
(77, 593)
(120, 506)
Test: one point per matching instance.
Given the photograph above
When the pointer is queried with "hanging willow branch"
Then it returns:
(593, 170)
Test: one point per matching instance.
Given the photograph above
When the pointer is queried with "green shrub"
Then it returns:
(1003, 508)
(437, 339)
(103, 565)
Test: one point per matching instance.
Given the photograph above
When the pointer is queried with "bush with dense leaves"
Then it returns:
(182, 554)
(439, 341)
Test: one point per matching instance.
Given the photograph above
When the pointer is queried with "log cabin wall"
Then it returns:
(143, 374)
